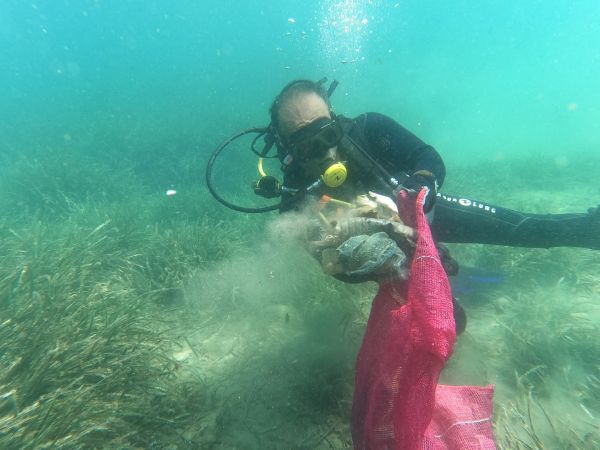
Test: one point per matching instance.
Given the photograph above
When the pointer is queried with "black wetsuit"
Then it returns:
(457, 219)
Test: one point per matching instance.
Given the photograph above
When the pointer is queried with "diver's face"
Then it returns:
(299, 112)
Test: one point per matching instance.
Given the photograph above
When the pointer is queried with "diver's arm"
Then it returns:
(288, 204)
(400, 150)
(293, 179)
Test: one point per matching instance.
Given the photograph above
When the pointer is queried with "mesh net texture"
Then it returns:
(409, 337)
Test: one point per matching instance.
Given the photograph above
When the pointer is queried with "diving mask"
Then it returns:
(315, 139)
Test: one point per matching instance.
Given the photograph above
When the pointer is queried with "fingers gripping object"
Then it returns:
(419, 180)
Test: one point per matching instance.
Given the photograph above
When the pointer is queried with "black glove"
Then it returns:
(419, 180)
(449, 264)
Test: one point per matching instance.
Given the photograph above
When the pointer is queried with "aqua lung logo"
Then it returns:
(468, 203)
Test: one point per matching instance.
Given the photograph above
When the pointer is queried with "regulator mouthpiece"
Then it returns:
(335, 175)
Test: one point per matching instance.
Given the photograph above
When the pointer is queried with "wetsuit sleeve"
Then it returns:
(400, 150)
(292, 180)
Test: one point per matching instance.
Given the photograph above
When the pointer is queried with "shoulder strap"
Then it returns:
(354, 144)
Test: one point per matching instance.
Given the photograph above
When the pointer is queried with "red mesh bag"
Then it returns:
(409, 336)
(462, 419)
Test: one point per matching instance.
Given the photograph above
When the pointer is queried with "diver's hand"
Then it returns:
(419, 180)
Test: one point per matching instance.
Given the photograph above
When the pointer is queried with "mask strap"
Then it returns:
(332, 87)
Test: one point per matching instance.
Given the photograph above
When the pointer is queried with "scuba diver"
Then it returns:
(324, 155)
(310, 138)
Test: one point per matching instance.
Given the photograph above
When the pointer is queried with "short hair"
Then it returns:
(292, 89)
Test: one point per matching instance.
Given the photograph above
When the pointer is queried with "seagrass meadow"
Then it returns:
(136, 312)
(146, 321)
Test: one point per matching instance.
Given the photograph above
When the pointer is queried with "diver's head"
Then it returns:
(306, 127)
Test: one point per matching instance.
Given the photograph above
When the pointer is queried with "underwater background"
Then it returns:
(133, 319)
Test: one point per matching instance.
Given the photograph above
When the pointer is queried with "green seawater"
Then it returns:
(156, 321)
